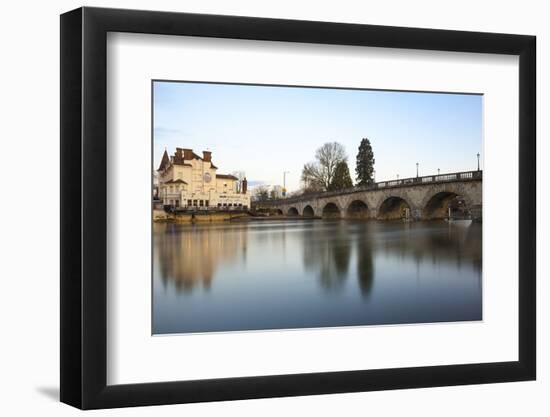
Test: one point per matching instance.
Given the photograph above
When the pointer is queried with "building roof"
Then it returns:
(164, 162)
(226, 177)
(184, 154)
(179, 158)
(178, 181)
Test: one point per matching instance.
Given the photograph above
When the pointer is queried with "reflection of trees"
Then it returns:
(188, 255)
(365, 266)
(327, 251)
(437, 242)
(328, 247)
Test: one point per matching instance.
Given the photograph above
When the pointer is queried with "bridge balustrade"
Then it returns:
(446, 177)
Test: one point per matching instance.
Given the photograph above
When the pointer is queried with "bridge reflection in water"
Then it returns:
(313, 273)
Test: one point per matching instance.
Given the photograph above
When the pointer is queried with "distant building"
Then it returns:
(188, 180)
(277, 191)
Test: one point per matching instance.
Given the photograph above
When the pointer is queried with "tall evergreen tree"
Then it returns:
(364, 167)
(342, 178)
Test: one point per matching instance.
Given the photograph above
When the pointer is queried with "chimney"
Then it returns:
(207, 156)
(178, 157)
(244, 185)
(187, 154)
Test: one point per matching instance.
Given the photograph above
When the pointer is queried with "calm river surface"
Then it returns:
(285, 274)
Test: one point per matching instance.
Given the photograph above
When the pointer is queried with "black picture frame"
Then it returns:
(84, 207)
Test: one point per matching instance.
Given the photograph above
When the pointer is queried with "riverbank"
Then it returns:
(160, 216)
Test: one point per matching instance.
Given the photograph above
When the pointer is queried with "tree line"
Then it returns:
(330, 172)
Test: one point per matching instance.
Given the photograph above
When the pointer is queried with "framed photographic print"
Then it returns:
(258, 207)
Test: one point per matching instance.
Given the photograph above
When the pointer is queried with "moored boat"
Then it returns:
(460, 221)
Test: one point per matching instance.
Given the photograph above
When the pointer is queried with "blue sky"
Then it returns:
(264, 130)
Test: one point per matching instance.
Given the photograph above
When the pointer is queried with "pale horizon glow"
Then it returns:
(266, 130)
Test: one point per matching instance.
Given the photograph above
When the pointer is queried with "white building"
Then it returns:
(188, 180)
(277, 191)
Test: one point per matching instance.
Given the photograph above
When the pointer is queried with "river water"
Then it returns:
(283, 274)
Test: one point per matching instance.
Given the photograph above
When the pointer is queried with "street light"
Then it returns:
(437, 171)
(478, 161)
(284, 182)
(417, 170)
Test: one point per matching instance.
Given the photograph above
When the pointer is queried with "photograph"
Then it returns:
(279, 207)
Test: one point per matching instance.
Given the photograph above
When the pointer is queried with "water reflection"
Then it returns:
(288, 274)
(190, 255)
(365, 266)
(327, 252)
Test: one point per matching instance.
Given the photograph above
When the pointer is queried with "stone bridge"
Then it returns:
(420, 198)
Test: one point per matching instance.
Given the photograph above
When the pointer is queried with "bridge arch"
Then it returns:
(292, 212)
(308, 211)
(331, 211)
(439, 204)
(394, 208)
(279, 212)
(463, 190)
(357, 209)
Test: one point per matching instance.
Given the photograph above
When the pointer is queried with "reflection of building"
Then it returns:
(187, 180)
(189, 256)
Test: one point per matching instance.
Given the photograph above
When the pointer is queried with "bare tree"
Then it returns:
(318, 175)
(312, 177)
(261, 193)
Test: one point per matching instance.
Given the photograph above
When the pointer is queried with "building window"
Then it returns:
(195, 203)
(206, 203)
(177, 203)
(189, 202)
(219, 204)
(201, 203)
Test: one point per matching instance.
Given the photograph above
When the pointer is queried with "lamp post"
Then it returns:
(478, 161)
(284, 182)
(417, 170)
(437, 171)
